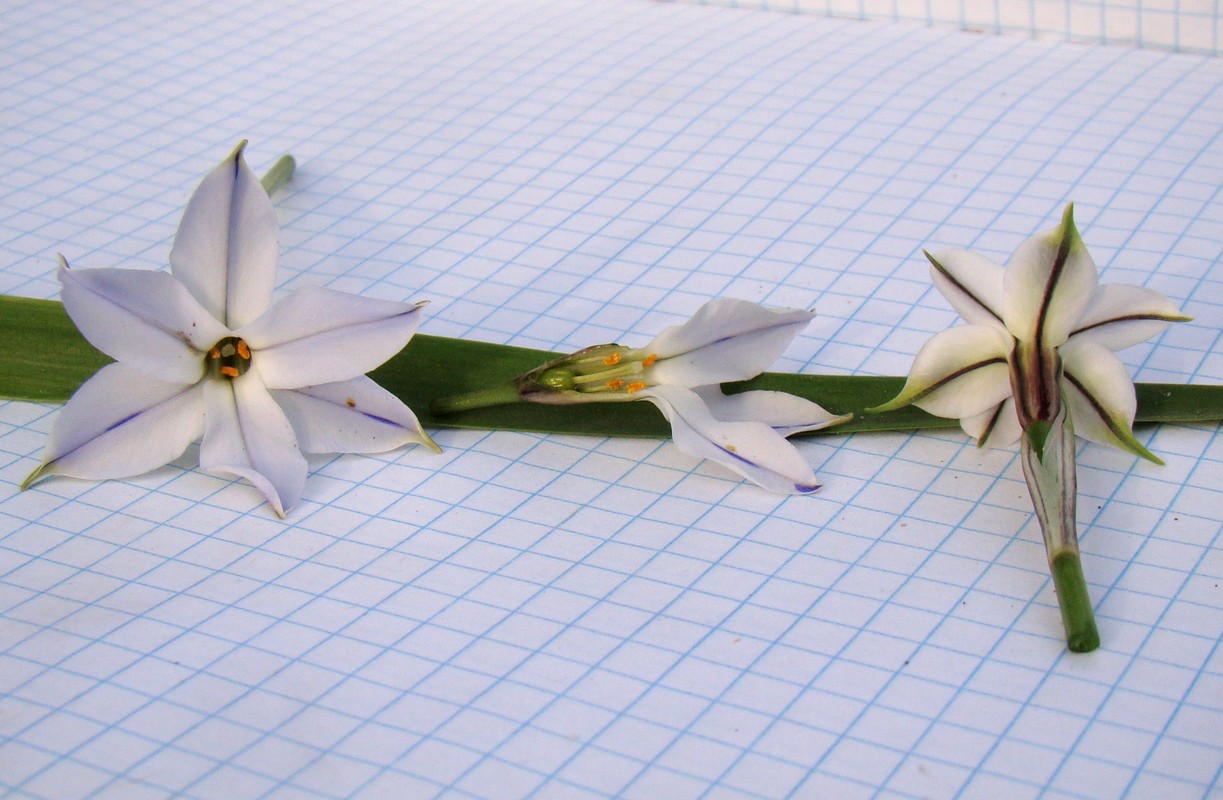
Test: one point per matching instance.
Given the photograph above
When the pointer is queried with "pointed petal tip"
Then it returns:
(897, 402)
(806, 488)
(427, 441)
(38, 474)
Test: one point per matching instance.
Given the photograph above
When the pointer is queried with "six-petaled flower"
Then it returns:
(201, 352)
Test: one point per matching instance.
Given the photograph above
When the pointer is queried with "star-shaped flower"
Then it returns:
(201, 351)
(1035, 364)
(1040, 332)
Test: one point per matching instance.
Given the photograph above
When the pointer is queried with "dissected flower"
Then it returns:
(202, 352)
(679, 372)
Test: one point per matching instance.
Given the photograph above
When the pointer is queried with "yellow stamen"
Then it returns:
(616, 384)
(243, 350)
(649, 362)
(215, 352)
(612, 360)
(229, 372)
(635, 386)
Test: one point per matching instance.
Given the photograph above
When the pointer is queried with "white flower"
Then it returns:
(1041, 332)
(1035, 365)
(679, 372)
(200, 353)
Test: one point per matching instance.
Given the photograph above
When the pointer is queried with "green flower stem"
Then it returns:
(1075, 603)
(1047, 450)
(501, 395)
(279, 174)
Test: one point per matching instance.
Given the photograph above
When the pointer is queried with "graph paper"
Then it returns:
(1185, 26)
(544, 616)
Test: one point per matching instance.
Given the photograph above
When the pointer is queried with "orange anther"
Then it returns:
(215, 352)
(229, 372)
(243, 350)
(616, 384)
(612, 360)
(636, 386)
(649, 362)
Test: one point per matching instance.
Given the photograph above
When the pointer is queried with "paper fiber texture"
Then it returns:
(560, 617)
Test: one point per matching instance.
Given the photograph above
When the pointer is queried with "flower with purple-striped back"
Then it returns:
(201, 352)
(680, 372)
(1040, 331)
(1035, 364)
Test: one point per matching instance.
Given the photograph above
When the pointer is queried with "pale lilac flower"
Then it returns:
(201, 351)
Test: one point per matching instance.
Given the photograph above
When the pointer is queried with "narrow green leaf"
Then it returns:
(42, 355)
(43, 358)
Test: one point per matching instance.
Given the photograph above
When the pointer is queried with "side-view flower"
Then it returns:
(679, 372)
(201, 351)
(1035, 365)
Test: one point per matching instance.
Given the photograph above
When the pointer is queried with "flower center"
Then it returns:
(603, 368)
(228, 358)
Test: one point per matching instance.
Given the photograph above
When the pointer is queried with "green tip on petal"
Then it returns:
(899, 401)
(34, 476)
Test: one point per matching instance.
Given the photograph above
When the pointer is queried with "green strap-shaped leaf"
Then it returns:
(43, 358)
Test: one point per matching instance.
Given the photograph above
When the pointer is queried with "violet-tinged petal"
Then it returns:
(1121, 315)
(121, 423)
(971, 283)
(1100, 396)
(145, 319)
(783, 412)
(226, 247)
(958, 373)
(353, 416)
(726, 340)
(994, 427)
(316, 336)
(246, 434)
(751, 449)
(1048, 284)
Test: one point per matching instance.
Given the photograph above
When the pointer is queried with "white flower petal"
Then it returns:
(994, 427)
(122, 423)
(143, 318)
(783, 412)
(726, 340)
(246, 434)
(971, 283)
(226, 246)
(1100, 397)
(1121, 315)
(752, 449)
(353, 416)
(958, 373)
(316, 336)
(1049, 282)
